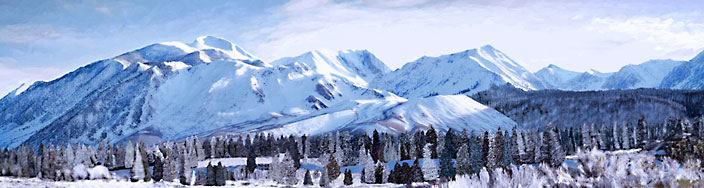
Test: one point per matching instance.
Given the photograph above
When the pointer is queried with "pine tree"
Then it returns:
(158, 168)
(464, 165)
(137, 170)
(496, 152)
(617, 136)
(295, 154)
(169, 166)
(251, 160)
(485, 148)
(129, 155)
(210, 175)
(515, 148)
(557, 154)
(476, 154)
(207, 150)
(430, 170)
(447, 171)
(416, 174)
(324, 181)
(376, 146)
(586, 137)
(625, 137)
(379, 173)
(333, 168)
(508, 150)
(307, 180)
(145, 162)
(348, 177)
(274, 169)
(642, 136)
(288, 170)
(184, 166)
(432, 138)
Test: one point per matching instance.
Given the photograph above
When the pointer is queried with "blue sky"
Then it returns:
(41, 40)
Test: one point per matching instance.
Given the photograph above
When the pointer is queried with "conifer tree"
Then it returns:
(586, 137)
(625, 137)
(307, 180)
(379, 173)
(642, 129)
(324, 180)
(464, 165)
(432, 138)
(137, 170)
(348, 177)
(169, 166)
(508, 150)
(274, 169)
(158, 168)
(207, 150)
(145, 162)
(447, 171)
(129, 155)
(430, 170)
(221, 174)
(617, 136)
(210, 175)
(333, 168)
(416, 174)
(251, 159)
(496, 148)
(556, 154)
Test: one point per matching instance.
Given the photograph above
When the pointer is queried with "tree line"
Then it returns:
(422, 156)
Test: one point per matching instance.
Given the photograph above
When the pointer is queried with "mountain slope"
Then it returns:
(464, 72)
(689, 75)
(646, 75)
(554, 76)
(171, 90)
(357, 66)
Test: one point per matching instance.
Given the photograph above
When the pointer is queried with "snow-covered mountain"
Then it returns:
(688, 75)
(554, 76)
(645, 75)
(558, 78)
(171, 90)
(465, 72)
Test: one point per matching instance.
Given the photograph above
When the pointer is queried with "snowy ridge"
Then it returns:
(171, 90)
(649, 74)
(688, 75)
(465, 72)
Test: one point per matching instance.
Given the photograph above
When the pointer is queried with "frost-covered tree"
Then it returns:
(129, 155)
(476, 154)
(220, 175)
(251, 159)
(556, 154)
(586, 137)
(158, 167)
(137, 171)
(431, 137)
(185, 169)
(333, 168)
(642, 129)
(169, 165)
(274, 169)
(430, 170)
(348, 177)
(210, 175)
(307, 180)
(625, 136)
(496, 152)
(447, 169)
(507, 150)
(616, 136)
(324, 180)
(463, 162)
(145, 162)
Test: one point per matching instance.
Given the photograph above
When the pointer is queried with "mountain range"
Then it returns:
(171, 90)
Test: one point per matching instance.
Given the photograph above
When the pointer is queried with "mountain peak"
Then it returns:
(698, 58)
(217, 43)
(214, 42)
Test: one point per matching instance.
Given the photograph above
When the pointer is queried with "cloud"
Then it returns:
(23, 34)
(574, 34)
